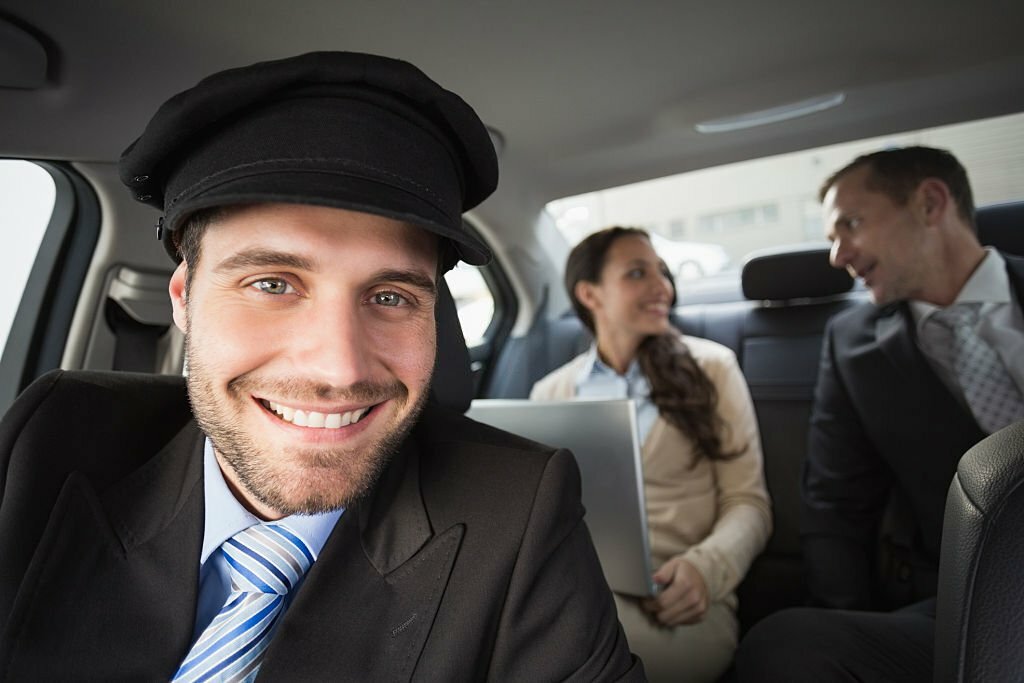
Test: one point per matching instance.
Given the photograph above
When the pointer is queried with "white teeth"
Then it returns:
(315, 420)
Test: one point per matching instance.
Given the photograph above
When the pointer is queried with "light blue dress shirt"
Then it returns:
(598, 380)
(225, 517)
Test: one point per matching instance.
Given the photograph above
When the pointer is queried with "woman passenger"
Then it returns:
(708, 511)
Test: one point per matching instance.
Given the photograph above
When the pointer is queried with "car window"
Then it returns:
(27, 196)
(705, 222)
(473, 300)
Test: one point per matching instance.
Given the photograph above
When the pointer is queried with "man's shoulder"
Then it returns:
(1015, 264)
(472, 471)
(98, 383)
(861, 318)
(99, 413)
(453, 433)
(483, 456)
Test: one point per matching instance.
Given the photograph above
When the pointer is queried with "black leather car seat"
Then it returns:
(979, 628)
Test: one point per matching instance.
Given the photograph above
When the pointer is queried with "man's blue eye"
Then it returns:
(388, 298)
(271, 286)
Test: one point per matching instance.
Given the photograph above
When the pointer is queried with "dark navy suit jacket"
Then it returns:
(886, 435)
(469, 561)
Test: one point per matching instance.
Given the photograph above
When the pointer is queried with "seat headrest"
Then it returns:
(793, 272)
(452, 386)
(1002, 226)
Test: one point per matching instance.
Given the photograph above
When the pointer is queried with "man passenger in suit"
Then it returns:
(907, 384)
(318, 519)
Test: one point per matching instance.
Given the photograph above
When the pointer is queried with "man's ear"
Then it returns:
(176, 288)
(933, 198)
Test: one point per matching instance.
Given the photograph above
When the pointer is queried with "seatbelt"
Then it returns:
(135, 343)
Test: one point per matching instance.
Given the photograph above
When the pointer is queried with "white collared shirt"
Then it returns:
(1000, 322)
(226, 517)
(597, 380)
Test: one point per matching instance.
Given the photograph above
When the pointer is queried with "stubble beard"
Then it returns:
(302, 480)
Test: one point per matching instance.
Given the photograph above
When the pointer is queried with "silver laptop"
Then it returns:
(603, 436)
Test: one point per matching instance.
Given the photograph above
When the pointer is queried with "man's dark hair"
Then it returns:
(898, 172)
(190, 235)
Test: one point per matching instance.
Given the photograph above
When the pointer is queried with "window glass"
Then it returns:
(712, 218)
(473, 300)
(27, 195)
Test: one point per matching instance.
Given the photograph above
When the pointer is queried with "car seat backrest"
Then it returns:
(452, 384)
(980, 602)
(1002, 226)
(777, 334)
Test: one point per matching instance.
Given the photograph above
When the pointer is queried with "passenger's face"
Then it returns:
(875, 239)
(310, 345)
(634, 295)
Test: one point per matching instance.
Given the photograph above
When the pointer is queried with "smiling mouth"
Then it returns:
(866, 273)
(314, 419)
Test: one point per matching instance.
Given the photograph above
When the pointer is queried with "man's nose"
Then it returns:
(334, 347)
(839, 255)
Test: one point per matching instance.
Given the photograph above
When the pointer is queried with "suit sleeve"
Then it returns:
(559, 621)
(844, 488)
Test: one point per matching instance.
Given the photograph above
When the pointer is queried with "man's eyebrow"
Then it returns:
(413, 278)
(265, 258)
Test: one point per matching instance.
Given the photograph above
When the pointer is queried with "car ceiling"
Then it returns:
(585, 94)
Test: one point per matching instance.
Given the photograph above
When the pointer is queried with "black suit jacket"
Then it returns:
(885, 429)
(469, 561)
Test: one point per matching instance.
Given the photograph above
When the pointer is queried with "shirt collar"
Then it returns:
(593, 367)
(988, 284)
(225, 516)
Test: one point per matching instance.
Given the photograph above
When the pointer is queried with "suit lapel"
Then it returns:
(368, 603)
(896, 340)
(1015, 269)
(124, 561)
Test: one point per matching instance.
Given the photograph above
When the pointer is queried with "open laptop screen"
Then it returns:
(603, 436)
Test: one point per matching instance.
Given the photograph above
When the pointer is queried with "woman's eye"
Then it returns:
(388, 299)
(635, 273)
(272, 286)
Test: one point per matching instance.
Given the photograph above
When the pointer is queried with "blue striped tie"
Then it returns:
(266, 561)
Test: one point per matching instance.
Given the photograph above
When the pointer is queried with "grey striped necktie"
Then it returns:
(991, 394)
(266, 561)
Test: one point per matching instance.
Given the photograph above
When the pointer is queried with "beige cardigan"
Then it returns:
(717, 515)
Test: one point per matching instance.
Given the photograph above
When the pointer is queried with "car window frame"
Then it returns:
(42, 323)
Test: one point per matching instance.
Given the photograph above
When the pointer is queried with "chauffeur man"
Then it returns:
(313, 516)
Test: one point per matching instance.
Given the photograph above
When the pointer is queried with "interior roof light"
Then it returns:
(772, 115)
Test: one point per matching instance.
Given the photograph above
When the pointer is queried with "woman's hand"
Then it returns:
(683, 598)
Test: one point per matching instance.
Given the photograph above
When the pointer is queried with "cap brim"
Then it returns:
(332, 189)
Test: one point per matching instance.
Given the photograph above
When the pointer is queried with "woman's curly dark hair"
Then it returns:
(680, 389)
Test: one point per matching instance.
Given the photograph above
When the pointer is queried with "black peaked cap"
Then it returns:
(341, 129)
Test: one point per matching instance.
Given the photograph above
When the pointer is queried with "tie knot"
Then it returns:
(957, 315)
(266, 558)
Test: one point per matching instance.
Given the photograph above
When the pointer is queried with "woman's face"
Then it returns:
(634, 294)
